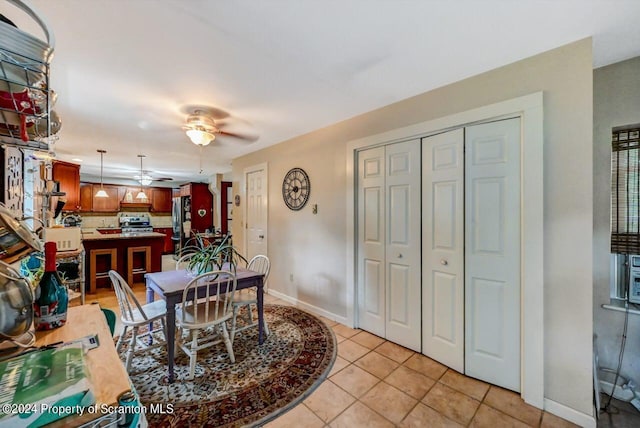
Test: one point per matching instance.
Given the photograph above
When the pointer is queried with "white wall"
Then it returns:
(312, 247)
(616, 101)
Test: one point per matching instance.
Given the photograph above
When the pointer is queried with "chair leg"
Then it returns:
(228, 343)
(233, 323)
(120, 339)
(194, 353)
(132, 347)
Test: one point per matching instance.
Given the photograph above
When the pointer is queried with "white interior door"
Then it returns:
(256, 219)
(371, 240)
(403, 243)
(492, 252)
(443, 248)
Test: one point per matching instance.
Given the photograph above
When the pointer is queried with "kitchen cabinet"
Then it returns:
(86, 197)
(89, 202)
(168, 243)
(161, 201)
(111, 204)
(68, 175)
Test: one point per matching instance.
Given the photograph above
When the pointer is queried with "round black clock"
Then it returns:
(296, 188)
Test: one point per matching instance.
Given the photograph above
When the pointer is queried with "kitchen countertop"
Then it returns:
(102, 236)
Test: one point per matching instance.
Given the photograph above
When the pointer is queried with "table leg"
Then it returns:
(171, 337)
(260, 293)
(150, 298)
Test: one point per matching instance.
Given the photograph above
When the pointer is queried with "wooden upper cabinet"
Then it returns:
(86, 197)
(68, 175)
(110, 204)
(161, 200)
(89, 202)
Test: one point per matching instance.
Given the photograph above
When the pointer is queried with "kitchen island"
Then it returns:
(130, 254)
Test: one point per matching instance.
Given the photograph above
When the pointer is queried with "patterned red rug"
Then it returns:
(264, 382)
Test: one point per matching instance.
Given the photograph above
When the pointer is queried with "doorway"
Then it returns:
(256, 210)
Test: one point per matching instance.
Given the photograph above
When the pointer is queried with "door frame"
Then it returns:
(530, 110)
(248, 170)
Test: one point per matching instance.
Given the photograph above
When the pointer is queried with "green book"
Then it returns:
(40, 387)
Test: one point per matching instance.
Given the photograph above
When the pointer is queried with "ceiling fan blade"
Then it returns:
(246, 137)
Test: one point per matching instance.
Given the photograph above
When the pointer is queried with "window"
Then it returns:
(625, 204)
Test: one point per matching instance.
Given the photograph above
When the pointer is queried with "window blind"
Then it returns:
(625, 191)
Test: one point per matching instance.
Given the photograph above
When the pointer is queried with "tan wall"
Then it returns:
(313, 248)
(616, 102)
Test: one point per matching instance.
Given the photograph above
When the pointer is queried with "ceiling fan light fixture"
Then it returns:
(200, 137)
(101, 193)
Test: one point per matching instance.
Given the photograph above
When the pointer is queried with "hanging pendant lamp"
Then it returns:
(141, 194)
(101, 193)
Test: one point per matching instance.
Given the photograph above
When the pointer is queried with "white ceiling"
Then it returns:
(126, 71)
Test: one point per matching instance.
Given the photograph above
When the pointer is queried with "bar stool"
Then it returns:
(93, 264)
(131, 268)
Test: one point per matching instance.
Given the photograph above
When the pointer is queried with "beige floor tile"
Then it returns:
(338, 365)
(553, 421)
(376, 364)
(354, 380)
(426, 366)
(344, 331)
(471, 387)
(340, 339)
(359, 415)
(367, 339)
(395, 352)
(410, 382)
(299, 416)
(328, 401)
(389, 401)
(424, 416)
(351, 351)
(510, 403)
(487, 417)
(451, 403)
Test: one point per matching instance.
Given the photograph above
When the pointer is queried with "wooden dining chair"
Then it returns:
(134, 315)
(247, 297)
(206, 304)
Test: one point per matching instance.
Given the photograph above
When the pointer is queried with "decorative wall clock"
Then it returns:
(296, 189)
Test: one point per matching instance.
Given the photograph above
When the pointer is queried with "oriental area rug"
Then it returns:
(263, 383)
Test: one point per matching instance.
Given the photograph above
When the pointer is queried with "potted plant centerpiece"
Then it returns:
(205, 256)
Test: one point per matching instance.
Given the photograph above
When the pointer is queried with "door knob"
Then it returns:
(443, 262)
(400, 255)
(261, 236)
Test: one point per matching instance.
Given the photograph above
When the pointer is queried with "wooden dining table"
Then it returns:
(170, 285)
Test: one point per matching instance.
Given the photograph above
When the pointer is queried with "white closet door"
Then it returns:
(403, 244)
(256, 220)
(371, 240)
(492, 253)
(443, 248)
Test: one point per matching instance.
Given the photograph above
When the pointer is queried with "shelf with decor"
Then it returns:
(26, 118)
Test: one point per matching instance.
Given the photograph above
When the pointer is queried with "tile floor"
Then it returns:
(376, 383)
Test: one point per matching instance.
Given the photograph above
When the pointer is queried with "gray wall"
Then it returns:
(616, 101)
(312, 248)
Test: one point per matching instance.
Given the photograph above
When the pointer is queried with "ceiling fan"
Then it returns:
(202, 128)
(146, 179)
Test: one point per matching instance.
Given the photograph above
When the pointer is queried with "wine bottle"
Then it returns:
(50, 306)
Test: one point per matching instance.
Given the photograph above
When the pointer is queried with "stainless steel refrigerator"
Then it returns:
(176, 220)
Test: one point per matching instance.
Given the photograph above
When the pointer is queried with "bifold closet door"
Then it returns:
(443, 248)
(492, 252)
(389, 242)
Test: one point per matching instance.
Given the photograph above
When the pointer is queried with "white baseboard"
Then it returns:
(311, 308)
(572, 415)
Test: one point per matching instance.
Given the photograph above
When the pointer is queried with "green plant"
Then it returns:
(206, 256)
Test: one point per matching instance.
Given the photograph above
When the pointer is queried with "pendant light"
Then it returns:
(101, 193)
(141, 194)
